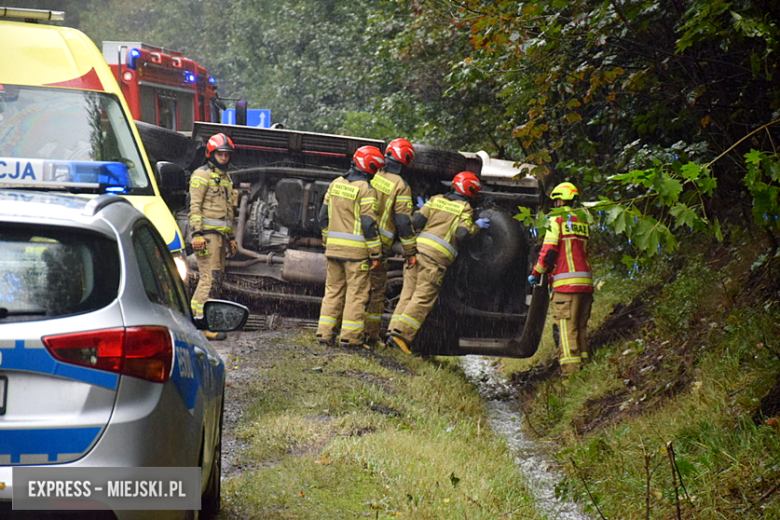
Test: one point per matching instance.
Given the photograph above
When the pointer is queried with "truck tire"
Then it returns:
(429, 160)
(500, 246)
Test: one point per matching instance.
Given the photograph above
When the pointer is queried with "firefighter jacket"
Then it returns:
(445, 221)
(394, 202)
(565, 253)
(212, 199)
(348, 216)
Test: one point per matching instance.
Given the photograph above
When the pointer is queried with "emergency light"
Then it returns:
(103, 176)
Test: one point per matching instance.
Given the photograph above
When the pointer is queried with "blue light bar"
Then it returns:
(131, 57)
(107, 174)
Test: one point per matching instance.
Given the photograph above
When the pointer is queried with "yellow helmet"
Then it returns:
(564, 191)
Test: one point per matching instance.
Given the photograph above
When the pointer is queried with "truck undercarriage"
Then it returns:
(282, 176)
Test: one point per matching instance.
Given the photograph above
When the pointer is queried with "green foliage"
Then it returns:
(763, 183)
(677, 308)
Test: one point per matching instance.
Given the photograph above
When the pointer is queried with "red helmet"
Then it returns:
(466, 183)
(401, 150)
(369, 159)
(219, 143)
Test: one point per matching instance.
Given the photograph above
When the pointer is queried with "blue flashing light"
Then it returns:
(131, 57)
(189, 77)
(112, 176)
(212, 80)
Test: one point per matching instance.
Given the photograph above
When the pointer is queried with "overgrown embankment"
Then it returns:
(675, 417)
(315, 433)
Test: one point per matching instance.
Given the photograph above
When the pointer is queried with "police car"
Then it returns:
(101, 362)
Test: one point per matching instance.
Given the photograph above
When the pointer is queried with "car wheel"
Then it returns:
(210, 501)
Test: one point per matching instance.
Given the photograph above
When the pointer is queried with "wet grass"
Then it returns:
(694, 390)
(336, 434)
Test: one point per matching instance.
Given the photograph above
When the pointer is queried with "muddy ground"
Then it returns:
(246, 354)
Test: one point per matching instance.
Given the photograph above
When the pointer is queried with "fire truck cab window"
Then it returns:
(167, 112)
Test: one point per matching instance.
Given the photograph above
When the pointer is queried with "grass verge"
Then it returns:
(336, 434)
(678, 417)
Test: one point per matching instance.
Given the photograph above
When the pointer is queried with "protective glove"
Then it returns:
(482, 223)
(532, 280)
(421, 202)
(374, 265)
(233, 248)
(411, 261)
(198, 242)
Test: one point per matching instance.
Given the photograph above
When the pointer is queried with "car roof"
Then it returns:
(47, 208)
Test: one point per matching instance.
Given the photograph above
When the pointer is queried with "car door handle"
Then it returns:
(201, 353)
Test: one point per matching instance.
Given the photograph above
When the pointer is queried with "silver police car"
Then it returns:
(101, 362)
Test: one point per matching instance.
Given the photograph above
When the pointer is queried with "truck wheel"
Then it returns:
(498, 247)
(429, 160)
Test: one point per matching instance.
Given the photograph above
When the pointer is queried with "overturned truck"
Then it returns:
(486, 305)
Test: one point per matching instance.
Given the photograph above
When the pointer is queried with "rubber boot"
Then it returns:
(398, 342)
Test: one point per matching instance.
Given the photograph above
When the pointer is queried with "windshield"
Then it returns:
(70, 125)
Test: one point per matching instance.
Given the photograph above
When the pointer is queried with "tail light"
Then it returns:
(143, 352)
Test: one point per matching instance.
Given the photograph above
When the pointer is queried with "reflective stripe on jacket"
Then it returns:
(444, 216)
(394, 196)
(212, 199)
(567, 236)
(347, 201)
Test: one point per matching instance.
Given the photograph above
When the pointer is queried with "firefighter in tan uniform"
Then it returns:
(212, 199)
(352, 247)
(564, 255)
(394, 200)
(445, 221)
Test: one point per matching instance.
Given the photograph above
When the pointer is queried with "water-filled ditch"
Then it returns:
(531, 455)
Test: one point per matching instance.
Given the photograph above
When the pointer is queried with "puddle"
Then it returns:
(531, 455)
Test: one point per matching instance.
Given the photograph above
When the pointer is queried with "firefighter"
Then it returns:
(352, 248)
(564, 255)
(445, 221)
(212, 203)
(394, 200)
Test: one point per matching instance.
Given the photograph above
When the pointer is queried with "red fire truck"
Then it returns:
(162, 87)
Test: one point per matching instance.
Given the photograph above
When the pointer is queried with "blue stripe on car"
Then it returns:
(32, 358)
(175, 244)
(56, 440)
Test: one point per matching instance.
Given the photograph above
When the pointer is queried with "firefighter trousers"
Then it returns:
(376, 301)
(407, 290)
(211, 263)
(410, 315)
(345, 301)
(572, 312)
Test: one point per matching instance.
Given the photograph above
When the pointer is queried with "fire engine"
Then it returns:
(162, 87)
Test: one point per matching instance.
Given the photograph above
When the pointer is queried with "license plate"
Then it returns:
(3, 388)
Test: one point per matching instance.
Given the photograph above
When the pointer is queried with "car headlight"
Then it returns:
(181, 264)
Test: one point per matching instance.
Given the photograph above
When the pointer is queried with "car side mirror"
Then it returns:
(171, 177)
(223, 316)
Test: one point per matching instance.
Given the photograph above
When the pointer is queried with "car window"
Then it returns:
(53, 272)
(158, 272)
